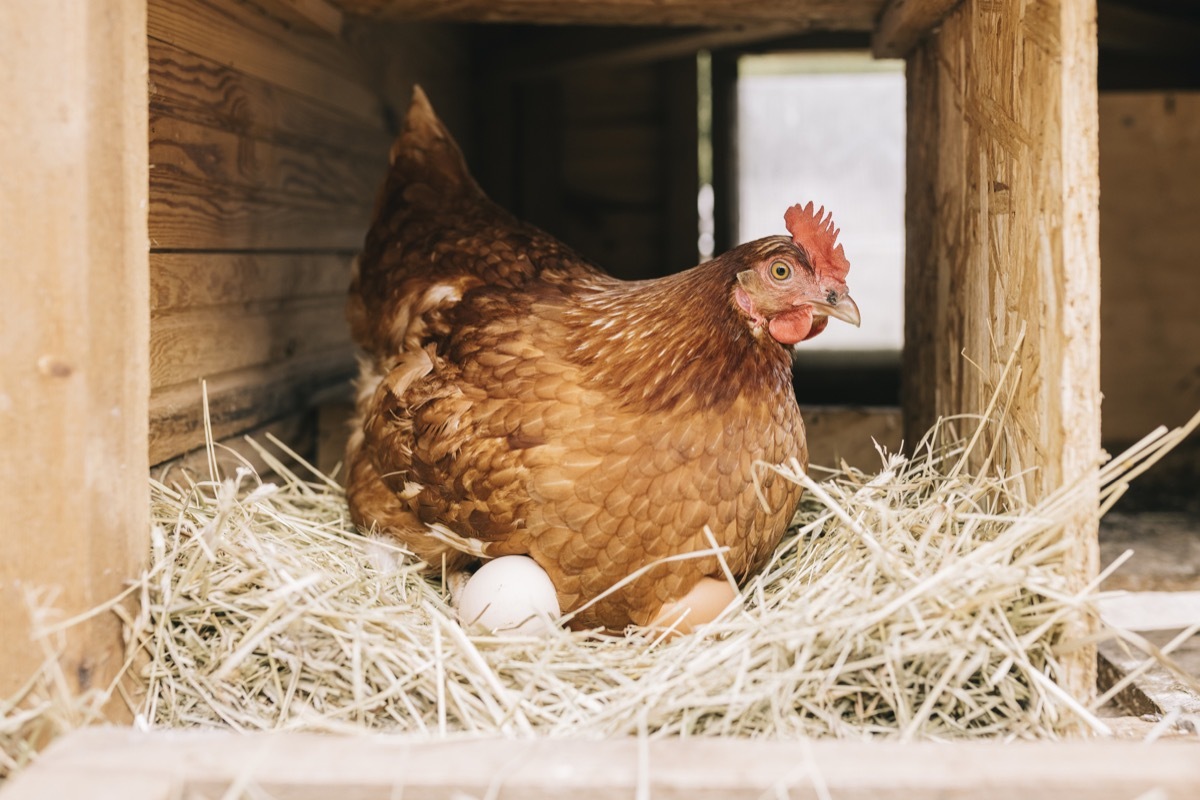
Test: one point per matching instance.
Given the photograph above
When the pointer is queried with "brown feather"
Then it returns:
(528, 401)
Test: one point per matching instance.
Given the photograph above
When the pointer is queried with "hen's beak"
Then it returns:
(845, 309)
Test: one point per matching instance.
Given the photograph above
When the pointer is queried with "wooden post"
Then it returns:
(1002, 217)
(74, 339)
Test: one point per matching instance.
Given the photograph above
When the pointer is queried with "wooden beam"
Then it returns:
(554, 50)
(74, 351)
(319, 15)
(820, 14)
(1002, 243)
(903, 23)
(289, 766)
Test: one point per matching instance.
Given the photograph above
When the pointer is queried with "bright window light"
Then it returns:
(829, 127)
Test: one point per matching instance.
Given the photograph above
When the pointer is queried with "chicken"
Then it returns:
(516, 400)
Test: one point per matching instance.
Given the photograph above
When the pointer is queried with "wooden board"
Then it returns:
(1002, 215)
(183, 281)
(903, 23)
(296, 430)
(268, 141)
(811, 14)
(1150, 331)
(270, 126)
(246, 37)
(140, 766)
(192, 88)
(74, 338)
(186, 153)
(241, 399)
(196, 344)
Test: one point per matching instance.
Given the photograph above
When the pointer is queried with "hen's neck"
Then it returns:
(677, 340)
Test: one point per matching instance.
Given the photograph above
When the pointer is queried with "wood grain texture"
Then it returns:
(183, 152)
(246, 37)
(268, 141)
(186, 215)
(903, 23)
(1002, 238)
(320, 15)
(181, 281)
(290, 766)
(1149, 164)
(296, 430)
(75, 325)
(192, 88)
(241, 399)
(812, 14)
(190, 345)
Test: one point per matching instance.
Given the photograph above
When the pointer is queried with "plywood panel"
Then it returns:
(73, 341)
(1002, 243)
(1149, 240)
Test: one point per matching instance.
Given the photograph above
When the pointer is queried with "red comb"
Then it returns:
(814, 232)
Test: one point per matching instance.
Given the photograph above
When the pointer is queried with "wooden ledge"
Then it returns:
(121, 763)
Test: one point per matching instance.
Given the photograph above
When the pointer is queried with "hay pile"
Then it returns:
(921, 602)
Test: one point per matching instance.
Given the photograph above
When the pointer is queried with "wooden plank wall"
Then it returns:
(268, 140)
(73, 330)
(603, 158)
(1002, 218)
(1149, 240)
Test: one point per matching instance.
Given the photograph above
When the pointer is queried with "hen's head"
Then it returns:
(795, 285)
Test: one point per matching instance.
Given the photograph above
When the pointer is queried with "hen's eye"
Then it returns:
(781, 271)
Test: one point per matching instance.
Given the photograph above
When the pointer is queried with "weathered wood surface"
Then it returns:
(268, 141)
(241, 399)
(243, 37)
(187, 281)
(1149, 241)
(296, 430)
(74, 359)
(284, 766)
(195, 88)
(812, 14)
(903, 23)
(1002, 216)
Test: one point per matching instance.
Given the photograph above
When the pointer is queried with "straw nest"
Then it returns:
(918, 602)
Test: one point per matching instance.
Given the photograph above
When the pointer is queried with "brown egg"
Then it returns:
(704, 603)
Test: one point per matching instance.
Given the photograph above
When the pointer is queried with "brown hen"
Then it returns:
(520, 401)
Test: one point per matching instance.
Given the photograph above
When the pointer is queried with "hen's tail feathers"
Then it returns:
(427, 165)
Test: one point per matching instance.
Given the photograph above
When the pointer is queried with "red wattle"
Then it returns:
(792, 326)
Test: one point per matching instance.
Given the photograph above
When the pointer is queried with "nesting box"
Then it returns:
(184, 184)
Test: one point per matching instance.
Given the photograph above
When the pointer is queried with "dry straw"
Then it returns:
(920, 602)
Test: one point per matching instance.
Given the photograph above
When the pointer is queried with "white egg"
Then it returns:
(511, 596)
